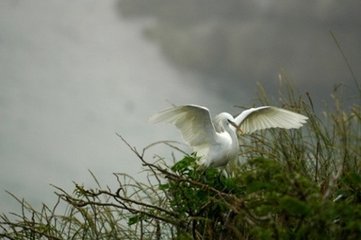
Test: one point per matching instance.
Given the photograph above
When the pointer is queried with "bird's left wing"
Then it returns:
(254, 119)
(193, 121)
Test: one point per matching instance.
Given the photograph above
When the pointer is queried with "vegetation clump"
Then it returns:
(299, 184)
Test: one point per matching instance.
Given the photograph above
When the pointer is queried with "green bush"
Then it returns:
(299, 184)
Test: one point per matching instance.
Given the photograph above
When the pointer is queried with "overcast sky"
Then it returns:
(237, 43)
(72, 74)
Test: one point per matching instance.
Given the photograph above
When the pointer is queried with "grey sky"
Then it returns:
(73, 74)
(238, 43)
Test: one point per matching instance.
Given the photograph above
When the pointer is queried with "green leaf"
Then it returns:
(135, 219)
(294, 206)
(164, 186)
(353, 179)
(186, 164)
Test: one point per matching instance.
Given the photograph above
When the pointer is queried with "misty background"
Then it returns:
(74, 73)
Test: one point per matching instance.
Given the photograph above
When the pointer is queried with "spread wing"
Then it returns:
(193, 121)
(254, 119)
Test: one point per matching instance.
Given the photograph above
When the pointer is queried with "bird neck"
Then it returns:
(229, 130)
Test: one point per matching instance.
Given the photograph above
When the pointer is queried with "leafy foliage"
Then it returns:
(301, 184)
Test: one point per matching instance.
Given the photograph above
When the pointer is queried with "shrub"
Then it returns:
(299, 184)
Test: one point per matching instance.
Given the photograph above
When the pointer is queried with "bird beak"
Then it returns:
(234, 125)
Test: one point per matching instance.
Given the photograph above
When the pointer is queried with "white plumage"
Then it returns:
(216, 142)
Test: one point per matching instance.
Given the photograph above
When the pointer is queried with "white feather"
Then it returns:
(255, 119)
(216, 142)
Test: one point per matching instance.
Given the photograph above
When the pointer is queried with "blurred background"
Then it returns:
(74, 73)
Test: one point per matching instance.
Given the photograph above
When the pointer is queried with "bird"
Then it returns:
(215, 141)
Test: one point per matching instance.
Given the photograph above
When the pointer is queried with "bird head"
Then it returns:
(224, 119)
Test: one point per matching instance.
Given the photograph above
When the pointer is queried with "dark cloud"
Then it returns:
(239, 43)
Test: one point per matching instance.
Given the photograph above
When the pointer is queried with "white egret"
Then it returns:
(216, 142)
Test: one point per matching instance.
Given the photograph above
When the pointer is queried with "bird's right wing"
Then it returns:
(193, 121)
(254, 119)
